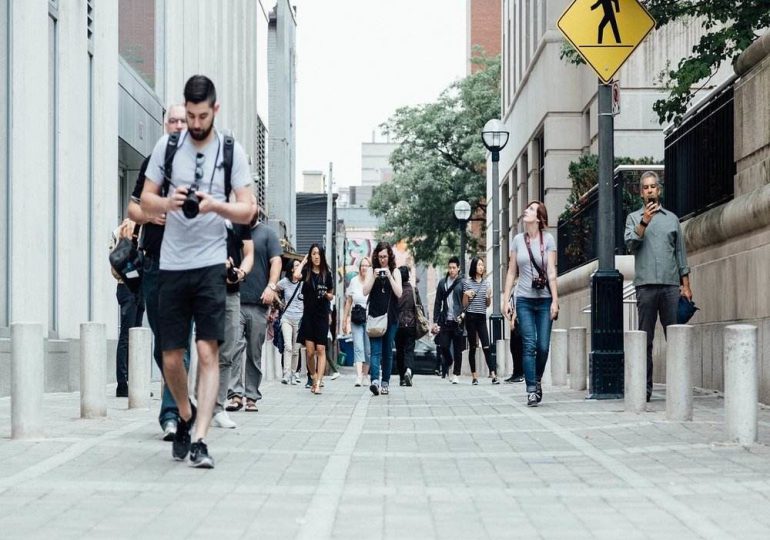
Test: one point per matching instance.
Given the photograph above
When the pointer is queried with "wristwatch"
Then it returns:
(643, 224)
(272, 286)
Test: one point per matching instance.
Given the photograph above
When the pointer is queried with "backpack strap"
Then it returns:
(227, 155)
(168, 162)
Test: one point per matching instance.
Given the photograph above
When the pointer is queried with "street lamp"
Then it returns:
(462, 213)
(495, 137)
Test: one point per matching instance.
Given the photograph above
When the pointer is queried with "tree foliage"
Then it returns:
(730, 26)
(440, 160)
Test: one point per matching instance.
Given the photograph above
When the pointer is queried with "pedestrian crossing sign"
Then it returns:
(606, 32)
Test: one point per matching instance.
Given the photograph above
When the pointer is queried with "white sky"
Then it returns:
(358, 61)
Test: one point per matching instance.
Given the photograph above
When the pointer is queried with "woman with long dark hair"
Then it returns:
(536, 300)
(383, 285)
(317, 293)
(477, 296)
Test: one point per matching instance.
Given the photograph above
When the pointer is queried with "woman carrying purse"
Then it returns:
(355, 320)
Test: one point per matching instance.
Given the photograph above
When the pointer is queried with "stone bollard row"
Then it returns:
(139, 366)
(635, 375)
(577, 358)
(559, 355)
(93, 370)
(27, 380)
(679, 352)
(741, 383)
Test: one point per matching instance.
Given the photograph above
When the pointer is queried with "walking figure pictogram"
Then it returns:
(609, 17)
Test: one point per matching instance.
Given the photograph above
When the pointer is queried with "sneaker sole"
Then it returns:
(206, 463)
(535, 404)
(374, 389)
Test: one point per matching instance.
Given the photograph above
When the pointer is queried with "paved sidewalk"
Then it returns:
(432, 461)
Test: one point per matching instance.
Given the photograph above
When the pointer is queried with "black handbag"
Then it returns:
(358, 314)
(127, 263)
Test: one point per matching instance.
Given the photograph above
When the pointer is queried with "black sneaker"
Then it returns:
(495, 380)
(181, 444)
(374, 388)
(532, 400)
(539, 392)
(408, 377)
(309, 382)
(475, 382)
(199, 456)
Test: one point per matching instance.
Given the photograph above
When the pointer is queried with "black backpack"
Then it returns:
(168, 163)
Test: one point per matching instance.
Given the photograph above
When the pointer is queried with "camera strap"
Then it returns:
(296, 290)
(540, 271)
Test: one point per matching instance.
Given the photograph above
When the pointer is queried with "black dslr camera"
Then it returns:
(381, 274)
(539, 282)
(321, 290)
(191, 205)
(232, 275)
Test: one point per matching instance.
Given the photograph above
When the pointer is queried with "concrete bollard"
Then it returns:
(27, 380)
(139, 364)
(679, 373)
(635, 377)
(559, 357)
(741, 383)
(93, 376)
(501, 357)
(577, 358)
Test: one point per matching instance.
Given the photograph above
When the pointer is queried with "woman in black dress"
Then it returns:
(317, 292)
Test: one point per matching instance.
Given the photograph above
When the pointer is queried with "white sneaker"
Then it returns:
(285, 379)
(169, 430)
(359, 380)
(297, 378)
(335, 375)
(455, 380)
(222, 420)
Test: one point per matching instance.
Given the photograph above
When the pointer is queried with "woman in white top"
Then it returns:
(355, 320)
(291, 289)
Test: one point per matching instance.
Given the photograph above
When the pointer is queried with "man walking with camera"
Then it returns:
(192, 270)
(661, 275)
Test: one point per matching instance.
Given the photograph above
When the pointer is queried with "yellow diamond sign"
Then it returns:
(606, 32)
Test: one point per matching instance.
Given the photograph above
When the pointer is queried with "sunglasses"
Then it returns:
(199, 159)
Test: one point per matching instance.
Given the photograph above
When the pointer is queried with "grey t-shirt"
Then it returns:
(198, 242)
(296, 308)
(266, 246)
(526, 271)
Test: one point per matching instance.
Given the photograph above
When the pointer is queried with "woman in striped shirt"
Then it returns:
(477, 296)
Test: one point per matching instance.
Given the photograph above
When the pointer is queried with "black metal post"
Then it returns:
(496, 319)
(463, 226)
(606, 359)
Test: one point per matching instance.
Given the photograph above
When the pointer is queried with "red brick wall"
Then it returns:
(484, 27)
(136, 36)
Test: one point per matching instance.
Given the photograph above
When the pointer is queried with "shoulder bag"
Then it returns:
(377, 326)
(421, 324)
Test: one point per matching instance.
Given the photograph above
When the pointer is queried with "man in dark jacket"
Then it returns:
(446, 310)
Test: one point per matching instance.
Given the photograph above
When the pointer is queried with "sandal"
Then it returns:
(236, 403)
(251, 406)
(316, 389)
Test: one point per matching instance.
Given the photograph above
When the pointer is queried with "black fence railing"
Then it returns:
(577, 239)
(699, 158)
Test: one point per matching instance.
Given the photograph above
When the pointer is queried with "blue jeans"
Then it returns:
(380, 356)
(168, 408)
(361, 346)
(535, 326)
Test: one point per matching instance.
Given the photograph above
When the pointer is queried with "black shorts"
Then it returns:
(186, 295)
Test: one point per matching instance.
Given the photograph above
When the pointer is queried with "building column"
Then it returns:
(29, 163)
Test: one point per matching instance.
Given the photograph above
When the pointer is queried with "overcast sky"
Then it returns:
(358, 61)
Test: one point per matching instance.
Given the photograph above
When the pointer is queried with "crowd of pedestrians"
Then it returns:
(212, 273)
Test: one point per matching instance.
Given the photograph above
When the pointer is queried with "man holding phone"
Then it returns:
(661, 275)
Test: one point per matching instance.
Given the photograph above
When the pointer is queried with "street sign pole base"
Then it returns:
(606, 371)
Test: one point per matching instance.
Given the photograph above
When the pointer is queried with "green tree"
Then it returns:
(440, 160)
(730, 26)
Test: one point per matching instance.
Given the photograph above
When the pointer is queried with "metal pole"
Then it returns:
(496, 319)
(606, 230)
(463, 226)
(328, 241)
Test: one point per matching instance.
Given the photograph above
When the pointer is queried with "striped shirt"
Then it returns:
(479, 302)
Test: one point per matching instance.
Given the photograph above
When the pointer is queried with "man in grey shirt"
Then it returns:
(661, 274)
(192, 256)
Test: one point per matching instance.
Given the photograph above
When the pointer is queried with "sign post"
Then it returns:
(606, 33)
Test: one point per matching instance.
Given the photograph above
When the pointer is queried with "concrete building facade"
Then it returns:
(77, 119)
(282, 147)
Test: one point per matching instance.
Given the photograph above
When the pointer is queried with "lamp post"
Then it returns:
(495, 137)
(462, 213)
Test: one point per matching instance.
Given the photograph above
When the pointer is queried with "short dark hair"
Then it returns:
(454, 259)
(198, 89)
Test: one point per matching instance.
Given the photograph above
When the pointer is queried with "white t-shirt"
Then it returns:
(356, 292)
(201, 241)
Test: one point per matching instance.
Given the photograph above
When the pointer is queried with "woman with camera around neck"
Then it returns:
(477, 296)
(383, 285)
(536, 300)
(355, 319)
(317, 293)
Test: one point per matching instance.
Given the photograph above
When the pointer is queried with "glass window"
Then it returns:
(136, 37)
